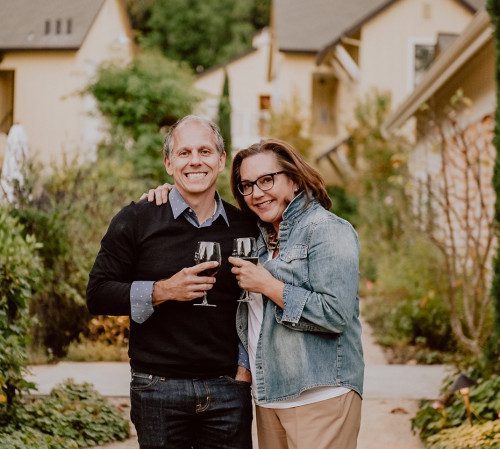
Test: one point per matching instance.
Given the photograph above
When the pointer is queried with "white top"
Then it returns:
(255, 317)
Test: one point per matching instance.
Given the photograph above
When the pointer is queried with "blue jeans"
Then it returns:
(191, 413)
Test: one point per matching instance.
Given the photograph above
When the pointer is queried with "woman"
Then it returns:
(302, 333)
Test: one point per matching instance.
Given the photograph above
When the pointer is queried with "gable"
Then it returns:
(46, 24)
(309, 26)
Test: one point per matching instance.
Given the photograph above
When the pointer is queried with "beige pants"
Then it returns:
(330, 424)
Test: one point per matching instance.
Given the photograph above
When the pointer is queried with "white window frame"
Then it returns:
(412, 43)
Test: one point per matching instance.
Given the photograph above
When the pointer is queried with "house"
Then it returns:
(382, 45)
(249, 87)
(49, 51)
(454, 107)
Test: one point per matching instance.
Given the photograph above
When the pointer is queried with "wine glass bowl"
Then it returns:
(245, 248)
(207, 252)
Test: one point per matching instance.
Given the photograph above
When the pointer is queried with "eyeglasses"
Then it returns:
(264, 182)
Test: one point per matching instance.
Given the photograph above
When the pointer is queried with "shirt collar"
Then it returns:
(179, 205)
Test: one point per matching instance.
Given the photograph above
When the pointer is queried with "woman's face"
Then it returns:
(269, 205)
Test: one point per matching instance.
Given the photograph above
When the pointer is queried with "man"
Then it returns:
(183, 358)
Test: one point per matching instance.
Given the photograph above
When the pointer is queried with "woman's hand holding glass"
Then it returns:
(256, 279)
(245, 248)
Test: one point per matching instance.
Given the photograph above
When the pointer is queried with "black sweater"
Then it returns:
(145, 242)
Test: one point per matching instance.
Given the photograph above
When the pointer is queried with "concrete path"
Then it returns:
(391, 394)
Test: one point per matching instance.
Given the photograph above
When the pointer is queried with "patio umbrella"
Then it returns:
(16, 156)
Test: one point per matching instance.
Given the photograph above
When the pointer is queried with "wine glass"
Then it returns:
(207, 252)
(245, 248)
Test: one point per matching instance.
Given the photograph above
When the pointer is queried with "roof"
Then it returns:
(309, 26)
(23, 23)
(477, 34)
(367, 10)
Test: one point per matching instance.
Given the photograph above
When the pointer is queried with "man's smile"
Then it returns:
(196, 175)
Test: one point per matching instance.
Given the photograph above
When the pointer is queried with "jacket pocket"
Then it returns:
(294, 267)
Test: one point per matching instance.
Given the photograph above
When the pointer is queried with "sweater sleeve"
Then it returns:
(108, 290)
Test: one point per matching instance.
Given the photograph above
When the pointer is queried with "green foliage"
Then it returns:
(261, 13)
(343, 204)
(151, 90)
(224, 116)
(73, 416)
(70, 215)
(479, 436)
(139, 12)
(404, 271)
(379, 164)
(201, 33)
(19, 275)
(406, 306)
(287, 124)
(224, 187)
(493, 348)
(432, 418)
(138, 100)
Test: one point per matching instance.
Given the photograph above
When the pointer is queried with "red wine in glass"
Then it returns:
(207, 252)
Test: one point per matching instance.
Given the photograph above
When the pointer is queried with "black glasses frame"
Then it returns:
(253, 183)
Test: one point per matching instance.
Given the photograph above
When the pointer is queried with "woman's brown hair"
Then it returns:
(290, 161)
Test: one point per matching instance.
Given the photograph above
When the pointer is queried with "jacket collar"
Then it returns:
(293, 211)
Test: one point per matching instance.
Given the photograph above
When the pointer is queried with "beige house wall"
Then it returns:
(47, 100)
(387, 41)
(476, 80)
(247, 82)
(293, 77)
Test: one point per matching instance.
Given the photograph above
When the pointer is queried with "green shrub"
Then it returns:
(19, 274)
(407, 306)
(343, 204)
(485, 403)
(69, 216)
(479, 436)
(139, 100)
(72, 416)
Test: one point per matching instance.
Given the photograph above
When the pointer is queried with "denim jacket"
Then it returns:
(316, 339)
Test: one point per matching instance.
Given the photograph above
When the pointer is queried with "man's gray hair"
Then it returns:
(168, 144)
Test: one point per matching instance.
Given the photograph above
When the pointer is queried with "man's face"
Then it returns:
(195, 162)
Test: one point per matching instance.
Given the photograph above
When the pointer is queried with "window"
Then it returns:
(69, 26)
(264, 102)
(47, 27)
(58, 26)
(422, 53)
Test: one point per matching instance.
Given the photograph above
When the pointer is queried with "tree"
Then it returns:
(224, 115)
(139, 100)
(203, 33)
